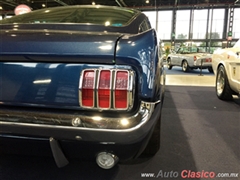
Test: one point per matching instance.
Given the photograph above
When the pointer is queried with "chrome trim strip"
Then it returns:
(87, 123)
(80, 88)
(22, 137)
(130, 90)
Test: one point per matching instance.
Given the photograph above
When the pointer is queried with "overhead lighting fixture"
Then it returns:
(147, 1)
(1, 8)
(93, 3)
(43, 5)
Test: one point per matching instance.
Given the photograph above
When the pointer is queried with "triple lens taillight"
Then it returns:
(106, 89)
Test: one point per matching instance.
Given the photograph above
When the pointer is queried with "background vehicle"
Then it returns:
(190, 58)
(86, 79)
(226, 66)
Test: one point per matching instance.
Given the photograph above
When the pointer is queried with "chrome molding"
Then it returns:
(130, 92)
(80, 87)
(80, 122)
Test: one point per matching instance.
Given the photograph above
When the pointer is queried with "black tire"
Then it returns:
(223, 90)
(169, 66)
(210, 69)
(185, 66)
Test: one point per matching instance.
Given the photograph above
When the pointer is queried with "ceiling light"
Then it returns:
(93, 3)
(147, 1)
(43, 5)
(1, 8)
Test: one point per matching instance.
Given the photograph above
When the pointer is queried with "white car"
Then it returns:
(190, 58)
(226, 67)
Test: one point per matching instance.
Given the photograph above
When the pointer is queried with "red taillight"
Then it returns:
(208, 60)
(104, 88)
(121, 90)
(88, 88)
(107, 89)
(195, 58)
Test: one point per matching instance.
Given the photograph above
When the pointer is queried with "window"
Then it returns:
(145, 25)
(200, 24)
(236, 23)
(216, 29)
(182, 24)
(165, 24)
(93, 15)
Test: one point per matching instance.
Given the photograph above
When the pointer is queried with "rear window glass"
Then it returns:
(112, 16)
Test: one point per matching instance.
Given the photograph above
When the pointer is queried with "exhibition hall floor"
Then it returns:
(200, 138)
(191, 78)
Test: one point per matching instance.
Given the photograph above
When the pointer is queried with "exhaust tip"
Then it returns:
(106, 160)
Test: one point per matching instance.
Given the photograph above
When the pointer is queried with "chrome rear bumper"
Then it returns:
(76, 121)
(125, 142)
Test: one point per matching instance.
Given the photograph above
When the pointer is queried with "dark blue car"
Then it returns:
(87, 80)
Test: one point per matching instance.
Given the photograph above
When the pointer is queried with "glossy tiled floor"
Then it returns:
(192, 78)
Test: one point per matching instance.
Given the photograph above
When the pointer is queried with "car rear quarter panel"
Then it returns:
(141, 52)
(60, 56)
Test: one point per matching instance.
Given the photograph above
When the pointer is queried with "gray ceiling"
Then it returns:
(9, 5)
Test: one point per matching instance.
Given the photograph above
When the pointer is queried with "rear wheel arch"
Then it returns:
(222, 87)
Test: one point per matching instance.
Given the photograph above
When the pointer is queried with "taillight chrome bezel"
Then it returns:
(81, 88)
(130, 89)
